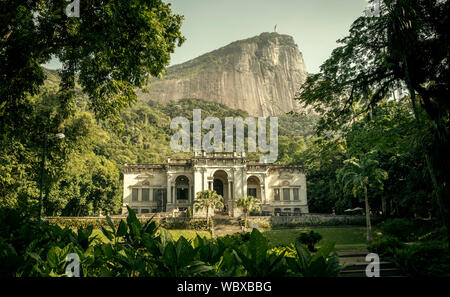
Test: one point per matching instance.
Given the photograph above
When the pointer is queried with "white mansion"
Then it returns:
(150, 188)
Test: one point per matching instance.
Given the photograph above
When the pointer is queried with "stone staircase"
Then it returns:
(225, 225)
(354, 265)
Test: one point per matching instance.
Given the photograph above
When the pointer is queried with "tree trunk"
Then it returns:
(369, 227)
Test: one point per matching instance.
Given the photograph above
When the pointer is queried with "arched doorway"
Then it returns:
(254, 187)
(221, 186)
(218, 186)
(182, 189)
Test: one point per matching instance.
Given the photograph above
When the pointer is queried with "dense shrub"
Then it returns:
(399, 227)
(31, 247)
(429, 259)
(167, 223)
(435, 234)
(349, 221)
(386, 247)
(309, 239)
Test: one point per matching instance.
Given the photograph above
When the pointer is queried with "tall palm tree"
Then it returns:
(357, 175)
(247, 204)
(208, 199)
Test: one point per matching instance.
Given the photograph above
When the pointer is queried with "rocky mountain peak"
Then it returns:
(259, 75)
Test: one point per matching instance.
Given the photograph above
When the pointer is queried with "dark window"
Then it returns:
(218, 186)
(297, 211)
(276, 194)
(277, 211)
(145, 210)
(286, 194)
(296, 194)
(182, 194)
(135, 193)
(251, 192)
(145, 194)
(135, 210)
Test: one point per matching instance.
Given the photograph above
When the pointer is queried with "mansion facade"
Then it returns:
(151, 188)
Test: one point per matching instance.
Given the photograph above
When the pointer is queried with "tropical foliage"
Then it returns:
(32, 247)
(208, 200)
(247, 204)
(359, 175)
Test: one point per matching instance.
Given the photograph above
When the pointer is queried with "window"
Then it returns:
(277, 211)
(134, 195)
(276, 194)
(145, 210)
(135, 210)
(297, 211)
(182, 193)
(145, 194)
(296, 194)
(286, 194)
(251, 192)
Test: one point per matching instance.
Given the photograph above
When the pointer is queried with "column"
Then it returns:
(169, 196)
(230, 197)
(198, 180)
(263, 194)
(244, 183)
(203, 178)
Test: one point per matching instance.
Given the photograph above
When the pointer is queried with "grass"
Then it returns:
(188, 234)
(345, 237)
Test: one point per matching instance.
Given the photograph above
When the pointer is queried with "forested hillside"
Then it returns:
(83, 174)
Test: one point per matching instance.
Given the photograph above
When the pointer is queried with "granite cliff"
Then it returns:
(259, 75)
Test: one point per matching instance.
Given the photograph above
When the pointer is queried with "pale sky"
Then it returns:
(314, 24)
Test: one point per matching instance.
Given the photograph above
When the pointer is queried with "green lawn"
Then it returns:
(348, 237)
(188, 234)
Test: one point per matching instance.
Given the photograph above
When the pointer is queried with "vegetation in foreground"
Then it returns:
(31, 247)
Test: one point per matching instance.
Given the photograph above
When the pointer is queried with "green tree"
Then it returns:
(321, 158)
(392, 129)
(207, 200)
(113, 48)
(359, 175)
(247, 204)
(405, 47)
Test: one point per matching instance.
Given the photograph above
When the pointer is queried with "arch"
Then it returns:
(221, 184)
(220, 173)
(182, 183)
(254, 186)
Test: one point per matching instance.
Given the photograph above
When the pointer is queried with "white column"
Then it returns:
(244, 182)
(197, 180)
(169, 194)
(229, 202)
